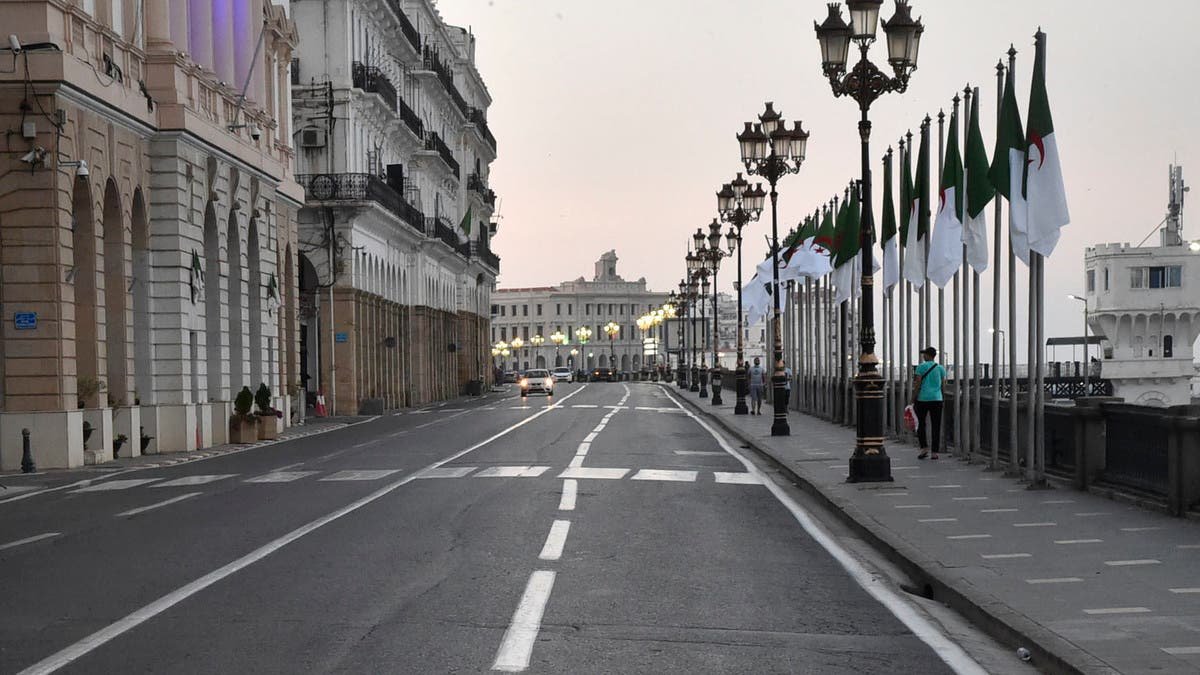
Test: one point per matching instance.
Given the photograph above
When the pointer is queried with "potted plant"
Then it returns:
(87, 431)
(117, 443)
(243, 425)
(268, 425)
(145, 439)
(88, 388)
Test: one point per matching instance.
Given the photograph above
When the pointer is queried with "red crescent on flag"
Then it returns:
(1036, 139)
(941, 200)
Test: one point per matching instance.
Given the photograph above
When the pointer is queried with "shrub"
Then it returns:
(262, 398)
(243, 402)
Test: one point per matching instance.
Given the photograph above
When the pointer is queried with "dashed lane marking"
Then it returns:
(1139, 529)
(369, 474)
(700, 453)
(998, 510)
(588, 472)
(555, 540)
(1118, 610)
(665, 475)
(195, 480)
(1077, 541)
(937, 520)
(517, 645)
(281, 476)
(969, 536)
(1185, 590)
(1091, 514)
(1181, 651)
(123, 484)
(1055, 580)
(1132, 563)
(913, 506)
(157, 505)
(512, 472)
(1005, 556)
(29, 540)
(569, 493)
(970, 499)
(446, 472)
(734, 478)
(1035, 524)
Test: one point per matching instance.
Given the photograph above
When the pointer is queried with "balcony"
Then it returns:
(370, 79)
(441, 228)
(359, 187)
(434, 143)
(477, 118)
(411, 120)
(446, 77)
(476, 185)
(406, 27)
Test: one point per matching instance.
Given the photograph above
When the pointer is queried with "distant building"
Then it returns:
(526, 312)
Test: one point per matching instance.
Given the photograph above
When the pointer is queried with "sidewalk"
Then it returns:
(1085, 583)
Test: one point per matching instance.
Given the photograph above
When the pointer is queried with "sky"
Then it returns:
(616, 120)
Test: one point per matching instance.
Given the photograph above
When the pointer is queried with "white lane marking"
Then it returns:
(139, 616)
(969, 499)
(576, 462)
(1035, 524)
(447, 472)
(583, 448)
(998, 510)
(892, 494)
(1078, 541)
(360, 474)
(296, 464)
(736, 478)
(703, 453)
(1132, 563)
(123, 484)
(665, 475)
(512, 472)
(937, 520)
(590, 437)
(517, 645)
(952, 654)
(1188, 546)
(195, 480)
(1091, 514)
(969, 536)
(1055, 580)
(569, 493)
(944, 487)
(29, 540)
(1181, 651)
(151, 507)
(584, 405)
(1184, 590)
(588, 472)
(1118, 610)
(913, 506)
(1005, 556)
(905, 468)
(1059, 501)
(555, 540)
(281, 476)
(1139, 529)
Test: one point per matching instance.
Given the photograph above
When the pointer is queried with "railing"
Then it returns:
(446, 76)
(406, 27)
(1135, 448)
(371, 79)
(434, 143)
(490, 259)
(411, 120)
(476, 185)
(359, 187)
(477, 118)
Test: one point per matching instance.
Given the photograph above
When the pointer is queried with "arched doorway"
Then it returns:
(558, 361)
(307, 282)
(237, 325)
(212, 302)
(83, 244)
(115, 319)
(625, 363)
(254, 287)
(541, 362)
(143, 352)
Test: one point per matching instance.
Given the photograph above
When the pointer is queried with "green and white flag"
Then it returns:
(1007, 172)
(917, 217)
(945, 249)
(847, 247)
(979, 193)
(889, 236)
(1045, 195)
(465, 225)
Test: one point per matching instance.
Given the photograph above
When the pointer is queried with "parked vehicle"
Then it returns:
(511, 377)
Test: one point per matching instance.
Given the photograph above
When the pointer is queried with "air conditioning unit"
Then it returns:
(312, 138)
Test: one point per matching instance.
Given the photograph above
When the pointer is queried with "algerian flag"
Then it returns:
(891, 242)
(848, 247)
(1006, 174)
(825, 237)
(918, 214)
(1045, 196)
(755, 299)
(465, 225)
(979, 193)
(945, 249)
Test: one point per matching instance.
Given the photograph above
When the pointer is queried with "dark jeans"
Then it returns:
(934, 410)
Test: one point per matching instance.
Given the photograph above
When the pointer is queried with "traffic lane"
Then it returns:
(422, 580)
(150, 555)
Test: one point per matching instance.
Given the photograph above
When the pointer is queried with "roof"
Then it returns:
(1068, 341)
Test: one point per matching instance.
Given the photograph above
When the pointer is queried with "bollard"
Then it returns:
(27, 465)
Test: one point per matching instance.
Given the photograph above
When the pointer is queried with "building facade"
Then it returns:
(394, 152)
(527, 312)
(147, 222)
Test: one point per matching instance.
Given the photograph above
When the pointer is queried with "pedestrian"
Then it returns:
(927, 400)
(757, 376)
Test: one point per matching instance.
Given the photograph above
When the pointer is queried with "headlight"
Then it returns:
(524, 382)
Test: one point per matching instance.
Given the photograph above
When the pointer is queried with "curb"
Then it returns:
(1051, 652)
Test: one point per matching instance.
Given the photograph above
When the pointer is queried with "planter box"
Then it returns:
(268, 428)
(243, 431)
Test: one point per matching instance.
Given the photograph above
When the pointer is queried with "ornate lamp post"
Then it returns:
(864, 84)
(643, 324)
(517, 343)
(574, 353)
(537, 341)
(739, 204)
(559, 339)
(668, 311)
(611, 328)
(684, 308)
(709, 248)
(694, 301)
(771, 150)
(583, 334)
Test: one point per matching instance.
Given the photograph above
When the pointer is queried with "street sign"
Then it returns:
(25, 320)
(341, 337)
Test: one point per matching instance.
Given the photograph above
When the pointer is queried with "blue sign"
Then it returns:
(341, 337)
(25, 320)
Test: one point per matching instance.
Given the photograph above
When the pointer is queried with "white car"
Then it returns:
(538, 380)
(562, 374)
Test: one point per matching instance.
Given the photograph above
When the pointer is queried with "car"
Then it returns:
(563, 375)
(539, 380)
(511, 377)
(603, 375)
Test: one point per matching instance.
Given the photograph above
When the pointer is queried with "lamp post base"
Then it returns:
(716, 386)
(703, 382)
(779, 426)
(695, 380)
(740, 383)
(870, 462)
(870, 469)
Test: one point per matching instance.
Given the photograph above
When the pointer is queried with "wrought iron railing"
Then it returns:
(411, 120)
(359, 187)
(434, 143)
(446, 77)
(441, 228)
(371, 79)
(479, 120)
(475, 184)
(406, 26)
(1135, 448)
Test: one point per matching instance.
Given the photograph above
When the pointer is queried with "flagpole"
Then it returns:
(907, 311)
(941, 293)
(887, 314)
(994, 462)
(970, 356)
(976, 368)
(1014, 461)
(1031, 375)
(959, 368)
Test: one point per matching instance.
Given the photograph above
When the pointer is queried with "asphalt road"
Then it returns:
(605, 530)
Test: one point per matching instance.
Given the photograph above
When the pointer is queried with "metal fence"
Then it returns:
(1135, 449)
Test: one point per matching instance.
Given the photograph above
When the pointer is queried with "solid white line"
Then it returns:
(1078, 541)
(570, 491)
(1005, 556)
(555, 541)
(138, 617)
(1118, 610)
(1035, 524)
(1131, 563)
(1139, 529)
(937, 520)
(29, 540)
(1181, 651)
(1184, 590)
(913, 506)
(143, 509)
(970, 536)
(997, 510)
(952, 654)
(517, 645)
(1058, 580)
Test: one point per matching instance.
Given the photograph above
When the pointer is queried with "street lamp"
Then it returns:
(738, 204)
(694, 301)
(1087, 366)
(669, 312)
(864, 84)
(559, 339)
(1003, 349)
(771, 150)
(537, 341)
(583, 334)
(612, 329)
(684, 307)
(574, 353)
(516, 344)
(710, 251)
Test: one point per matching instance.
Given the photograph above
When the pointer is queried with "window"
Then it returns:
(514, 308)
(570, 333)
(504, 333)
(558, 309)
(1091, 281)
(524, 310)
(1168, 346)
(621, 309)
(587, 309)
(610, 309)
(540, 331)
(1169, 276)
(525, 333)
(493, 335)
(495, 310)
(539, 310)
(1106, 279)
(570, 310)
